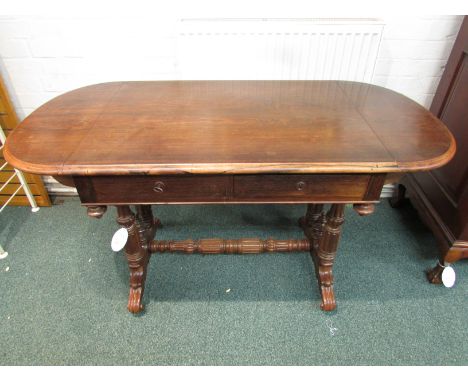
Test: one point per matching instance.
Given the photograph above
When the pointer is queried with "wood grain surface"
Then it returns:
(229, 127)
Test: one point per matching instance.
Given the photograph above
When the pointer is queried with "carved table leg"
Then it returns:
(147, 215)
(312, 224)
(323, 232)
(137, 254)
(326, 253)
(147, 222)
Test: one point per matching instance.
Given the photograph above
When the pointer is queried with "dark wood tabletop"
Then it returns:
(231, 127)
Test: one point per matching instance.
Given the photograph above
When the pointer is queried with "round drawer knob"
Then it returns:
(300, 185)
(159, 187)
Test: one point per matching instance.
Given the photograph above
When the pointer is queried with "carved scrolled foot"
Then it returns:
(328, 299)
(434, 275)
(326, 289)
(134, 300)
(137, 287)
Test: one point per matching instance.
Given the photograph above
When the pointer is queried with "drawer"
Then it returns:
(266, 188)
(152, 189)
(306, 188)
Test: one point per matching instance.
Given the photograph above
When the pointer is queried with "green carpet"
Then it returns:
(64, 293)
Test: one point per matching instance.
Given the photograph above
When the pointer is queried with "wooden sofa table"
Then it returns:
(136, 144)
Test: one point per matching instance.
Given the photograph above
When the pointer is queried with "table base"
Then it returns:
(322, 231)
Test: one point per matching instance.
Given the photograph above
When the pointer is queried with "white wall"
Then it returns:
(413, 54)
(41, 58)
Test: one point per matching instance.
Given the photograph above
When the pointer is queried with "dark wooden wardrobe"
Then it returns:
(441, 196)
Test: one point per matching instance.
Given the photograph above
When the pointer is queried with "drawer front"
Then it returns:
(152, 189)
(268, 188)
(306, 188)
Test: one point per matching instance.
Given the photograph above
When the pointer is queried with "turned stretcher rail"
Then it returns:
(220, 246)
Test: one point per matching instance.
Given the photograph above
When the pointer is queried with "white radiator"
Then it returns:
(259, 49)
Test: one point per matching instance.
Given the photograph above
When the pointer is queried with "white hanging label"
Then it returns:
(448, 276)
(119, 239)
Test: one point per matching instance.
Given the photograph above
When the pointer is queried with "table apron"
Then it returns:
(208, 189)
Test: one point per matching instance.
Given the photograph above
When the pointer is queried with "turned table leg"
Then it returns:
(326, 253)
(323, 232)
(136, 250)
(312, 224)
(148, 224)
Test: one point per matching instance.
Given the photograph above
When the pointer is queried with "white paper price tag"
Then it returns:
(448, 276)
(119, 239)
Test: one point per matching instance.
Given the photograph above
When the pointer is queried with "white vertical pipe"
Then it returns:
(23, 182)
